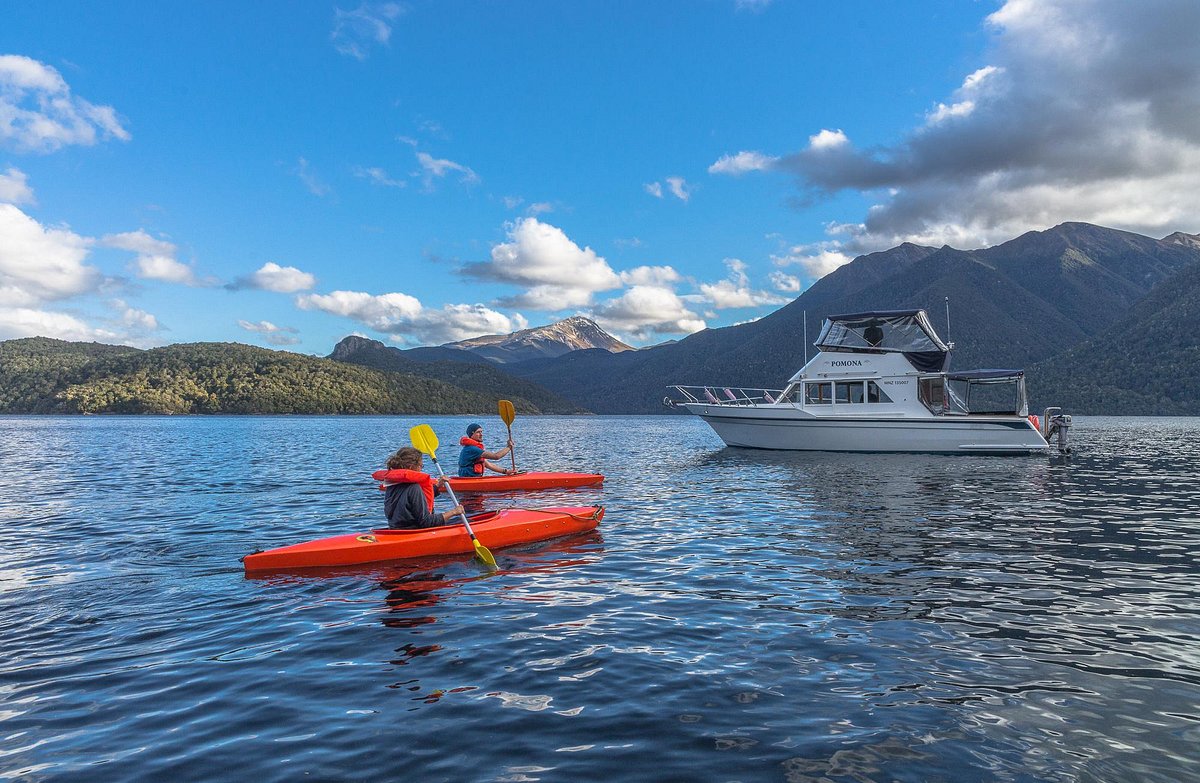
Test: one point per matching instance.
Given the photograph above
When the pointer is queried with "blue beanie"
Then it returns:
(472, 427)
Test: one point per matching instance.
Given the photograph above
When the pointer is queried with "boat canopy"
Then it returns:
(887, 331)
(986, 376)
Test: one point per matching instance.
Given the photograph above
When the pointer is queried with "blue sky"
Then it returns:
(285, 174)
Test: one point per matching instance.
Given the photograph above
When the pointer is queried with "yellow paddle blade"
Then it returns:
(483, 554)
(424, 440)
(506, 412)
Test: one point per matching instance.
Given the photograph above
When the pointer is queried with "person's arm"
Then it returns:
(498, 454)
(419, 510)
(497, 468)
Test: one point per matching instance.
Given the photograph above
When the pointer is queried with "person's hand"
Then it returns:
(454, 511)
(440, 482)
(510, 443)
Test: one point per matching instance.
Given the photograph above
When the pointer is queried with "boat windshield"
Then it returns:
(907, 331)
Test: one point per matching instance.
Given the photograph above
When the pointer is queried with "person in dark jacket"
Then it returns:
(473, 458)
(409, 493)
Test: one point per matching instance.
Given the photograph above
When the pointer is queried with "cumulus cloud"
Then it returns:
(155, 257)
(735, 290)
(742, 162)
(40, 264)
(14, 188)
(651, 275)
(679, 188)
(275, 335)
(817, 260)
(437, 168)
(356, 31)
(33, 322)
(281, 279)
(38, 113)
(789, 284)
(403, 316)
(646, 310)
(1084, 110)
(556, 272)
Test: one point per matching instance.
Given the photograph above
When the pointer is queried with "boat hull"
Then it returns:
(523, 481)
(781, 428)
(494, 530)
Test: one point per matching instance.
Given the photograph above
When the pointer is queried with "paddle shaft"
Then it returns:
(512, 450)
(453, 499)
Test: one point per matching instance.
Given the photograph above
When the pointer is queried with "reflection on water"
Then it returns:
(739, 615)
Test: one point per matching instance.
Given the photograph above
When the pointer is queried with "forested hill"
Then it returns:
(40, 375)
(478, 375)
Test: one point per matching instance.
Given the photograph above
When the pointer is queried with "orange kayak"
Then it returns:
(523, 481)
(494, 530)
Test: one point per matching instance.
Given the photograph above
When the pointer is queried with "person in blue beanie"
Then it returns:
(474, 458)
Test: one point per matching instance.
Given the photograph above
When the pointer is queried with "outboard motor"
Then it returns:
(1057, 425)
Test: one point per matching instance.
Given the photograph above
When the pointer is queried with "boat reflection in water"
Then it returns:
(881, 382)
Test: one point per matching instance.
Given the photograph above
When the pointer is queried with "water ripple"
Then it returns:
(738, 615)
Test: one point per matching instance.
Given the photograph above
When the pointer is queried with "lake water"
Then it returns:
(738, 615)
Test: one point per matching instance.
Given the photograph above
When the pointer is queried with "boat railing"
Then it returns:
(725, 395)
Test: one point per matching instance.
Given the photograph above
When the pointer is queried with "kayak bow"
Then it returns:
(499, 529)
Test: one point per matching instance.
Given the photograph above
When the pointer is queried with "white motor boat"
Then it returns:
(880, 382)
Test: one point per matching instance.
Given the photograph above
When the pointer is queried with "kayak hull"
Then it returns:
(524, 481)
(494, 530)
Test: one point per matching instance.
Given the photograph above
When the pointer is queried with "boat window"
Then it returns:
(848, 392)
(818, 393)
(932, 392)
(876, 394)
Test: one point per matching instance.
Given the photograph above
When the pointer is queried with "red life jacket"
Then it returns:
(477, 466)
(402, 476)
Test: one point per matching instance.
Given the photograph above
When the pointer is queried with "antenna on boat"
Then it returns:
(805, 336)
(947, 320)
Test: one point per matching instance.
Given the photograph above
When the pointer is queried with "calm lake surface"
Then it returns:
(738, 615)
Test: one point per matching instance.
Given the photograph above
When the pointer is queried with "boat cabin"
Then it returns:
(887, 358)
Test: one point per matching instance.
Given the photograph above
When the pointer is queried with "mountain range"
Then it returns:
(1102, 318)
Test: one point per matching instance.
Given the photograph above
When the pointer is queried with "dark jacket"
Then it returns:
(405, 507)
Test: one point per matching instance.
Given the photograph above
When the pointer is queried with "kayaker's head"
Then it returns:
(406, 458)
(475, 431)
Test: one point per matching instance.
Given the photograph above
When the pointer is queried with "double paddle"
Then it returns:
(426, 442)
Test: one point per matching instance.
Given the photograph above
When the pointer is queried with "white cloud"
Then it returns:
(39, 264)
(512, 202)
(789, 284)
(743, 162)
(557, 273)
(378, 176)
(356, 31)
(38, 113)
(735, 291)
(646, 310)
(828, 140)
(651, 275)
(403, 315)
(654, 189)
(275, 335)
(438, 168)
(135, 321)
(817, 260)
(14, 188)
(30, 322)
(155, 257)
(679, 188)
(281, 279)
(540, 208)
(1084, 111)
